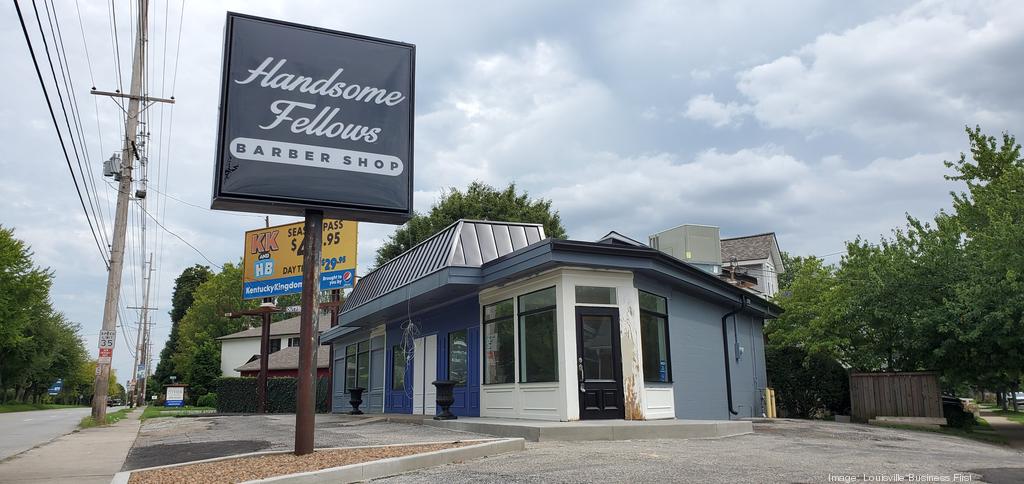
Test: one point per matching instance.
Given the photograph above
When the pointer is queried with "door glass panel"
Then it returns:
(598, 360)
(457, 357)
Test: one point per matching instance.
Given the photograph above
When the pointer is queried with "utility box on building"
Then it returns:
(699, 245)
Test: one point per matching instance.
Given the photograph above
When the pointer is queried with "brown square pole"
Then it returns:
(261, 380)
(264, 312)
(305, 392)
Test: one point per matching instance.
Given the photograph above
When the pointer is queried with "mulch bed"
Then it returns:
(264, 466)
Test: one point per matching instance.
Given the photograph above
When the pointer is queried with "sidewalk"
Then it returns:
(87, 456)
(1013, 431)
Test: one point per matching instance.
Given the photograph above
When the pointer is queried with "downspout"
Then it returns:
(725, 351)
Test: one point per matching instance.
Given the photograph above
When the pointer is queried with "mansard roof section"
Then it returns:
(465, 243)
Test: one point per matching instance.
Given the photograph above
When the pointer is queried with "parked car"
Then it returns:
(1019, 397)
(114, 402)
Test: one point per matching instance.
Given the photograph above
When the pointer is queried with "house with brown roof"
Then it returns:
(241, 348)
(285, 362)
(753, 257)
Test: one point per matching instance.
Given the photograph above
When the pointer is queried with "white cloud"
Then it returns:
(704, 107)
(925, 71)
(813, 205)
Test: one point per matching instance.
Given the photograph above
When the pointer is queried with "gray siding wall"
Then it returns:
(698, 367)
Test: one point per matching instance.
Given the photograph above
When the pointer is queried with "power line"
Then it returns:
(179, 238)
(87, 174)
(60, 137)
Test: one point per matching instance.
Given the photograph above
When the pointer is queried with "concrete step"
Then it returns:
(538, 431)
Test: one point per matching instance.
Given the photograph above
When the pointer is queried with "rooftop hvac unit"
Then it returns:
(699, 245)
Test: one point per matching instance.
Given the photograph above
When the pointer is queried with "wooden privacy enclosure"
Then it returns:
(900, 394)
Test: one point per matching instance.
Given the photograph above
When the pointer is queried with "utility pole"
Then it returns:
(128, 153)
(135, 365)
(143, 351)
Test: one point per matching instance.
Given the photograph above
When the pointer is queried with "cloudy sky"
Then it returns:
(820, 121)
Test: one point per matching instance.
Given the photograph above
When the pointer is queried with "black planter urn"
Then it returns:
(445, 399)
(356, 400)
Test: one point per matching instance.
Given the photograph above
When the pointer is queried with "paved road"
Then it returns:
(24, 430)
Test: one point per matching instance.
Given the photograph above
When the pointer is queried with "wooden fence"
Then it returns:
(902, 394)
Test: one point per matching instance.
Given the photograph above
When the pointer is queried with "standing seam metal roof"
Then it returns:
(465, 243)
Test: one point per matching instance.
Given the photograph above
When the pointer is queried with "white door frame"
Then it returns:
(424, 369)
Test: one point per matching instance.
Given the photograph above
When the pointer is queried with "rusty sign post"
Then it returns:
(309, 334)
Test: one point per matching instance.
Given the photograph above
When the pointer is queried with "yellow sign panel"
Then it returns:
(273, 259)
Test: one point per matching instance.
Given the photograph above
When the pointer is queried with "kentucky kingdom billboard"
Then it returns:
(273, 259)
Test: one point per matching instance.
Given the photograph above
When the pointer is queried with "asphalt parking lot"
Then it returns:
(781, 451)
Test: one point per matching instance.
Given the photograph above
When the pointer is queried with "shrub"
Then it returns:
(807, 385)
(956, 415)
(238, 395)
(208, 400)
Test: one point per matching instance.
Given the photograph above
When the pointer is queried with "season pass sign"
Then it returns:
(273, 259)
(314, 119)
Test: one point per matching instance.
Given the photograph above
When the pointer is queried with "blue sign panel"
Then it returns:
(56, 387)
(290, 285)
(175, 397)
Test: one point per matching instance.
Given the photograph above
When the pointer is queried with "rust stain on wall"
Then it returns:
(633, 408)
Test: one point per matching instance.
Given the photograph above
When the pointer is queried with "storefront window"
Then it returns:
(457, 357)
(654, 338)
(499, 351)
(357, 365)
(398, 367)
(538, 341)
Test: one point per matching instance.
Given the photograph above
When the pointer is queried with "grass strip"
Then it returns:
(1010, 415)
(28, 407)
(112, 418)
(153, 411)
(980, 435)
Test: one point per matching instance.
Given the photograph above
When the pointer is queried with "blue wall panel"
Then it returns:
(461, 314)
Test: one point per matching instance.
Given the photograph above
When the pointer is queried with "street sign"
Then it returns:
(106, 343)
(56, 387)
(273, 259)
(314, 119)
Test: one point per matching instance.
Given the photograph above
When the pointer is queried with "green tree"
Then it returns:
(479, 202)
(24, 293)
(810, 300)
(185, 286)
(204, 368)
(989, 303)
(205, 319)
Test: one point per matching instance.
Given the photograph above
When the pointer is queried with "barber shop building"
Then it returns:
(537, 328)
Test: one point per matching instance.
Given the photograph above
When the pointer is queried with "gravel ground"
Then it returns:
(782, 451)
(163, 441)
(262, 467)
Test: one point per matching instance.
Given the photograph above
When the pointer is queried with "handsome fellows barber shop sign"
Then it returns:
(314, 119)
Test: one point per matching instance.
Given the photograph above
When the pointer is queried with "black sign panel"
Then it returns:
(314, 119)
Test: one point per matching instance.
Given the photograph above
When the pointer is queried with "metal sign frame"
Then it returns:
(297, 205)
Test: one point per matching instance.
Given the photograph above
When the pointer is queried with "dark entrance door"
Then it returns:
(598, 363)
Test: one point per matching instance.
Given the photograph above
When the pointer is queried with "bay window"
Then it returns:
(538, 340)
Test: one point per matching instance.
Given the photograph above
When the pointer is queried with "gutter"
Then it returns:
(725, 351)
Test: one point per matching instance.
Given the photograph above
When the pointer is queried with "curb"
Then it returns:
(366, 470)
